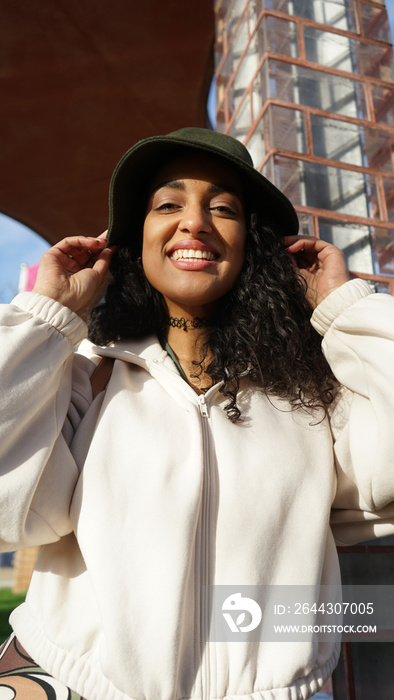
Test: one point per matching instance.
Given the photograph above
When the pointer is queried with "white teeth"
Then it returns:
(185, 254)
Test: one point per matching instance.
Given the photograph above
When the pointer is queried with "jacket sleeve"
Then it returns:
(39, 413)
(358, 330)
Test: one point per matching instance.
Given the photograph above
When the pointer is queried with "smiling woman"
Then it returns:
(203, 193)
(194, 224)
(193, 245)
(244, 430)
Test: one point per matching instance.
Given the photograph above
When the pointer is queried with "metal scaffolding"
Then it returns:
(308, 86)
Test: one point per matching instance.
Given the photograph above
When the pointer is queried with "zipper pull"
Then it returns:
(203, 406)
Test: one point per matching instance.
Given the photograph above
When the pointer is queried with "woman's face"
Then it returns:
(194, 233)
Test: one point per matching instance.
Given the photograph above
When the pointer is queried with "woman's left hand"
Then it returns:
(321, 264)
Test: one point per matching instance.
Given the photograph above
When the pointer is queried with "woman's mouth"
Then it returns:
(191, 254)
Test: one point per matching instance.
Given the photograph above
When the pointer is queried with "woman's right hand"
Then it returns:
(73, 271)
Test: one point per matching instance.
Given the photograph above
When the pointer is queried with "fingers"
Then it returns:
(296, 244)
(309, 251)
(79, 252)
(291, 240)
(73, 270)
(75, 245)
(303, 250)
(101, 263)
(321, 264)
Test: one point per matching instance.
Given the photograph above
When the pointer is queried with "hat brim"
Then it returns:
(128, 195)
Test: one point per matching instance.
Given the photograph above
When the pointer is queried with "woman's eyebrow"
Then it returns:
(217, 189)
(213, 189)
(174, 184)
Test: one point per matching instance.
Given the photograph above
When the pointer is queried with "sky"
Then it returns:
(18, 244)
(390, 11)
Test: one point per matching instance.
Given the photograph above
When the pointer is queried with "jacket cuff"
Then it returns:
(338, 301)
(50, 311)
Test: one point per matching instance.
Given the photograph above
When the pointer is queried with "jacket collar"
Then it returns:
(138, 351)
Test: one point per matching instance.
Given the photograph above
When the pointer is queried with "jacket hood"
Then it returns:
(138, 351)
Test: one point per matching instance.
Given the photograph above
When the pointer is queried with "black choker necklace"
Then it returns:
(190, 323)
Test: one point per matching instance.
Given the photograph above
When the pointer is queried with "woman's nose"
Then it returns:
(195, 220)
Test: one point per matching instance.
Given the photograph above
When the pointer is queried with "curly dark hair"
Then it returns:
(261, 327)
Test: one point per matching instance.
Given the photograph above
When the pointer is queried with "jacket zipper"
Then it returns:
(205, 553)
(205, 545)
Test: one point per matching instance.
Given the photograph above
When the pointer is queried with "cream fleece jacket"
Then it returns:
(149, 492)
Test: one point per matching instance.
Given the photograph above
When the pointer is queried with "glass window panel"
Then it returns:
(241, 38)
(262, 130)
(245, 70)
(373, 665)
(253, 14)
(242, 120)
(374, 61)
(226, 69)
(232, 12)
(341, 52)
(278, 5)
(234, 97)
(257, 95)
(286, 174)
(389, 193)
(277, 80)
(383, 687)
(335, 13)
(379, 149)
(248, 64)
(268, 170)
(369, 569)
(383, 101)
(256, 147)
(306, 224)
(326, 187)
(260, 84)
(353, 239)
(337, 140)
(375, 23)
(237, 7)
(277, 36)
(328, 49)
(286, 129)
(383, 246)
(231, 58)
(339, 680)
(314, 88)
(230, 26)
(352, 143)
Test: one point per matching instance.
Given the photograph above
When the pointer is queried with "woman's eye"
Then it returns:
(167, 206)
(224, 209)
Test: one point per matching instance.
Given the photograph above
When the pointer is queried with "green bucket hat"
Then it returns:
(128, 189)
